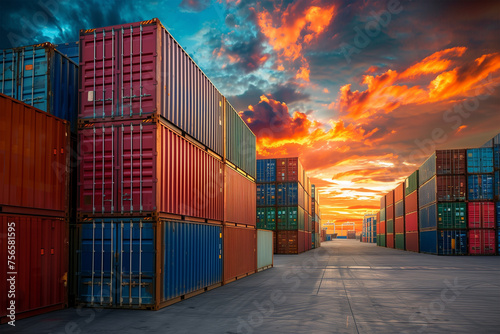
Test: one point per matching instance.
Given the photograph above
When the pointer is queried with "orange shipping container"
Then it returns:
(240, 252)
(240, 194)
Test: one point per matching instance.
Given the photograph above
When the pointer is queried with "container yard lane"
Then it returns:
(342, 287)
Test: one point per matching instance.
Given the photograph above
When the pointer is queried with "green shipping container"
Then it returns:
(265, 249)
(390, 226)
(381, 240)
(411, 183)
(266, 218)
(400, 241)
(290, 218)
(452, 216)
(240, 142)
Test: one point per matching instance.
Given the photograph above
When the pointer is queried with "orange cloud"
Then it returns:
(287, 31)
(384, 94)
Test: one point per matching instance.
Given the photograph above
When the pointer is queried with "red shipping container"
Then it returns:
(411, 202)
(481, 242)
(450, 162)
(281, 170)
(240, 252)
(399, 192)
(288, 242)
(399, 225)
(411, 222)
(383, 202)
(138, 69)
(389, 198)
(140, 167)
(301, 241)
(240, 194)
(34, 160)
(40, 264)
(390, 240)
(411, 240)
(389, 212)
(381, 227)
(481, 215)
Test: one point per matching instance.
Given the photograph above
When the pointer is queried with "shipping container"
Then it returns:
(34, 155)
(411, 202)
(451, 215)
(399, 192)
(40, 266)
(480, 215)
(144, 263)
(266, 218)
(389, 198)
(240, 142)
(480, 187)
(265, 249)
(411, 241)
(290, 218)
(266, 170)
(289, 170)
(42, 77)
(288, 242)
(480, 160)
(496, 185)
(481, 241)
(443, 242)
(399, 225)
(70, 50)
(266, 194)
(428, 217)
(136, 167)
(399, 208)
(139, 69)
(498, 215)
(442, 188)
(442, 162)
(389, 233)
(281, 170)
(240, 206)
(382, 214)
(411, 183)
(399, 241)
(240, 252)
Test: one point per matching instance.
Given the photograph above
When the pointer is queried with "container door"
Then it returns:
(117, 263)
(8, 74)
(34, 77)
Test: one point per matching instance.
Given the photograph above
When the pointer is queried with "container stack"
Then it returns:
(480, 206)
(411, 213)
(34, 206)
(494, 144)
(284, 203)
(399, 213)
(382, 234)
(166, 205)
(316, 217)
(369, 228)
(390, 211)
(442, 186)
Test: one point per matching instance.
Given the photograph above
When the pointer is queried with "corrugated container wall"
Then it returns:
(411, 183)
(240, 142)
(137, 167)
(265, 249)
(42, 77)
(70, 50)
(442, 162)
(34, 155)
(123, 74)
(240, 252)
(239, 196)
(480, 187)
(266, 170)
(41, 264)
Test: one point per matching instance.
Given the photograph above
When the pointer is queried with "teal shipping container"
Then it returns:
(42, 77)
(265, 249)
(480, 160)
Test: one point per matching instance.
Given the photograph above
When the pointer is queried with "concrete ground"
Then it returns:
(343, 287)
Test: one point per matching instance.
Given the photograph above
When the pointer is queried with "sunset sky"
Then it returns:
(362, 91)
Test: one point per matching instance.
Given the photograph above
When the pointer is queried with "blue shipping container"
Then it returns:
(427, 193)
(266, 170)
(496, 156)
(496, 185)
(428, 241)
(452, 242)
(498, 215)
(427, 217)
(70, 50)
(427, 170)
(261, 195)
(479, 160)
(293, 193)
(192, 258)
(480, 187)
(117, 263)
(43, 77)
(266, 194)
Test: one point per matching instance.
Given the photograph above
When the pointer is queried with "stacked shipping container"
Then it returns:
(316, 217)
(34, 206)
(381, 229)
(284, 204)
(494, 144)
(411, 213)
(167, 170)
(390, 212)
(399, 214)
(369, 228)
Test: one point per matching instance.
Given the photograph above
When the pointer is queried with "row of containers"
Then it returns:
(449, 206)
(288, 204)
(141, 192)
(369, 228)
